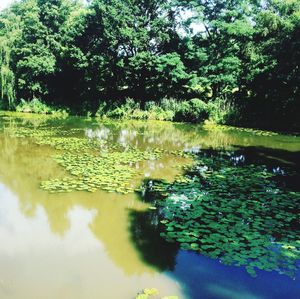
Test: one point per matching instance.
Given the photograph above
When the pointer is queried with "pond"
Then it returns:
(74, 222)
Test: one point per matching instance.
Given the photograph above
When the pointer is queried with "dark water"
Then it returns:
(105, 245)
(207, 278)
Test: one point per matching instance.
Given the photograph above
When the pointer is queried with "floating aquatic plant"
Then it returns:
(70, 144)
(212, 127)
(235, 213)
(106, 171)
(149, 293)
(92, 163)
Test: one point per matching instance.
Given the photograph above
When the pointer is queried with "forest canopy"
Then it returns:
(243, 58)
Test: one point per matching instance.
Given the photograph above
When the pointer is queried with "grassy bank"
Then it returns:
(38, 107)
(214, 115)
(193, 111)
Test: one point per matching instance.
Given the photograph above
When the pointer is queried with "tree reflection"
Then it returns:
(153, 249)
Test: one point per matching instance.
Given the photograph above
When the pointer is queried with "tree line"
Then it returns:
(243, 58)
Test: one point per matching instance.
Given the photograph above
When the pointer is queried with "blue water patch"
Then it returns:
(205, 278)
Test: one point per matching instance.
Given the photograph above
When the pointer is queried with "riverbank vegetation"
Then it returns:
(38, 107)
(233, 62)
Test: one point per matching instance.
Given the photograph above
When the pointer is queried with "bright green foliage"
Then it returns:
(238, 214)
(129, 50)
(272, 70)
(243, 61)
(43, 33)
(9, 33)
(35, 58)
(172, 74)
(36, 106)
(194, 110)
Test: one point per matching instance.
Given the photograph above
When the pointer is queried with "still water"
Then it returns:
(98, 245)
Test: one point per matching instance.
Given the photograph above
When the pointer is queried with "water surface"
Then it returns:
(100, 245)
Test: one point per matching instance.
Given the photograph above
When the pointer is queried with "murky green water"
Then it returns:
(99, 244)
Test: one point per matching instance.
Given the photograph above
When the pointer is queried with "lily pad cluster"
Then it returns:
(32, 132)
(70, 143)
(236, 213)
(112, 172)
(149, 293)
(224, 128)
(92, 163)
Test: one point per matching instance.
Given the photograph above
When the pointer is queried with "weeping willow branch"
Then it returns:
(8, 34)
(7, 78)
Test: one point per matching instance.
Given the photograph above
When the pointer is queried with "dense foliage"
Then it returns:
(243, 59)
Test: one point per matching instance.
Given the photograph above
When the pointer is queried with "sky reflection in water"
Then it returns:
(81, 245)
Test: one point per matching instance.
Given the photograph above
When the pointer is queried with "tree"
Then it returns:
(125, 39)
(272, 73)
(246, 55)
(9, 32)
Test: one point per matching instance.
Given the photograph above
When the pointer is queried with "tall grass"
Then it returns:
(36, 106)
(194, 110)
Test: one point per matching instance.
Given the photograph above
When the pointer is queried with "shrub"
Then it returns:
(167, 115)
(125, 110)
(37, 106)
(102, 109)
(169, 104)
(158, 112)
(139, 114)
(151, 105)
(34, 106)
(221, 112)
(130, 105)
(193, 111)
(118, 112)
